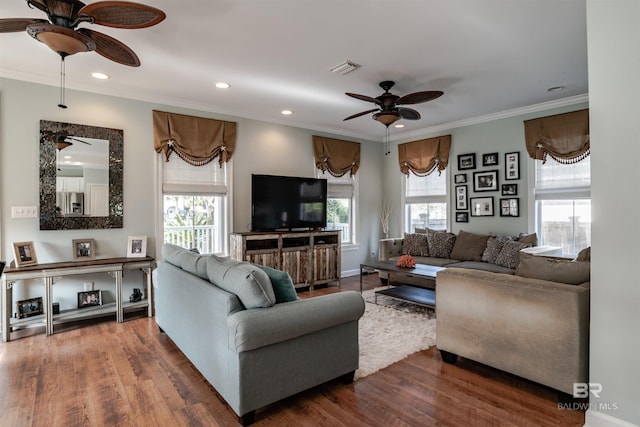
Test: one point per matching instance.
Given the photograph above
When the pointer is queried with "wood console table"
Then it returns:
(50, 273)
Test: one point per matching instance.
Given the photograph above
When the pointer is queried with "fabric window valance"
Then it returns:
(424, 156)
(564, 137)
(195, 139)
(336, 156)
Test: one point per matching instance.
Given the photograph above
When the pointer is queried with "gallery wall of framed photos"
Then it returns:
(486, 185)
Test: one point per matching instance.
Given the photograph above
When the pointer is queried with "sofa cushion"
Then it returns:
(584, 255)
(528, 238)
(429, 260)
(491, 252)
(554, 270)
(509, 254)
(415, 245)
(250, 283)
(282, 284)
(469, 246)
(484, 266)
(188, 260)
(440, 243)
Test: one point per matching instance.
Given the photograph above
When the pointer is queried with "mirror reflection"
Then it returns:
(80, 176)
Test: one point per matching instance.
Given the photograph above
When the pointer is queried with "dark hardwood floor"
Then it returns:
(129, 374)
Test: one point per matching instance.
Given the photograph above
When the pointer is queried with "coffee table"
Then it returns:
(413, 294)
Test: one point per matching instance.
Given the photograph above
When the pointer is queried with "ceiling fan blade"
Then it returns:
(76, 139)
(111, 48)
(123, 14)
(419, 97)
(360, 114)
(364, 98)
(14, 25)
(408, 113)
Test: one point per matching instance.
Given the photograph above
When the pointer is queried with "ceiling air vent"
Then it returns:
(344, 68)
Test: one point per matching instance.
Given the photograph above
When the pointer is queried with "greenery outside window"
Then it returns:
(341, 202)
(426, 201)
(196, 209)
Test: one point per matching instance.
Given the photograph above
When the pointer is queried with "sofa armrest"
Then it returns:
(388, 248)
(256, 328)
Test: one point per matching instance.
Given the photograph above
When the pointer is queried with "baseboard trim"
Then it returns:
(600, 419)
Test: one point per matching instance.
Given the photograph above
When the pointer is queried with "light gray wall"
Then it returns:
(614, 93)
(261, 148)
(502, 136)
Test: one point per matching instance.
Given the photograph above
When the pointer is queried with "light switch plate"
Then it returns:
(24, 212)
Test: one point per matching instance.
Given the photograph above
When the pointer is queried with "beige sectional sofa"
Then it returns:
(531, 320)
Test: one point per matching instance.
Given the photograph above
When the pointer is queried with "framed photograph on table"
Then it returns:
(485, 181)
(84, 249)
(137, 247)
(510, 207)
(512, 165)
(89, 298)
(481, 206)
(461, 197)
(467, 161)
(490, 159)
(29, 307)
(25, 254)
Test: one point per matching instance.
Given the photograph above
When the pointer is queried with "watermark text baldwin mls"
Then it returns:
(582, 391)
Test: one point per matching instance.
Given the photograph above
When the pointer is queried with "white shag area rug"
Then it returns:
(391, 331)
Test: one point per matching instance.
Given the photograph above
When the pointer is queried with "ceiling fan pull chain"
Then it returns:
(62, 79)
(387, 151)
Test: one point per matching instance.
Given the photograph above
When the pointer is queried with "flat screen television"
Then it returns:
(287, 203)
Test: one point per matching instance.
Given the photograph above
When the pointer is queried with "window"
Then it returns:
(196, 209)
(563, 204)
(426, 201)
(341, 202)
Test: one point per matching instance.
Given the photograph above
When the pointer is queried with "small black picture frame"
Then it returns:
(89, 298)
(460, 178)
(510, 189)
(510, 207)
(461, 198)
(485, 181)
(512, 166)
(29, 307)
(462, 216)
(490, 159)
(467, 161)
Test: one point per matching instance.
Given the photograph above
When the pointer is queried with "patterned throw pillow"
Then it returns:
(528, 238)
(508, 256)
(440, 243)
(415, 245)
(494, 246)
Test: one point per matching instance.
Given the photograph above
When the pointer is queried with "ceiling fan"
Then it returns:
(388, 111)
(61, 33)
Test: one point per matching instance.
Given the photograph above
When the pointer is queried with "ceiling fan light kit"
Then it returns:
(60, 32)
(388, 110)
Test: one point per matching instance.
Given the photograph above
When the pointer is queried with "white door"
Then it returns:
(99, 203)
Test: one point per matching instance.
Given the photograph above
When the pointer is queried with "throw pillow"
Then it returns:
(469, 246)
(584, 255)
(440, 243)
(494, 246)
(415, 245)
(508, 256)
(421, 230)
(251, 284)
(282, 284)
(554, 270)
(528, 238)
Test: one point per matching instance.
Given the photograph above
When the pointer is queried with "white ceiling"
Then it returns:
(489, 57)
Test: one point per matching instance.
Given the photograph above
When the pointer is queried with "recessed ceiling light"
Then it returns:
(222, 85)
(287, 112)
(399, 125)
(555, 89)
(99, 76)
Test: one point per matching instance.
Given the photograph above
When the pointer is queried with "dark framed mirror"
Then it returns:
(80, 176)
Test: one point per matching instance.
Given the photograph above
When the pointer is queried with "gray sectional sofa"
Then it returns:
(224, 315)
(524, 314)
